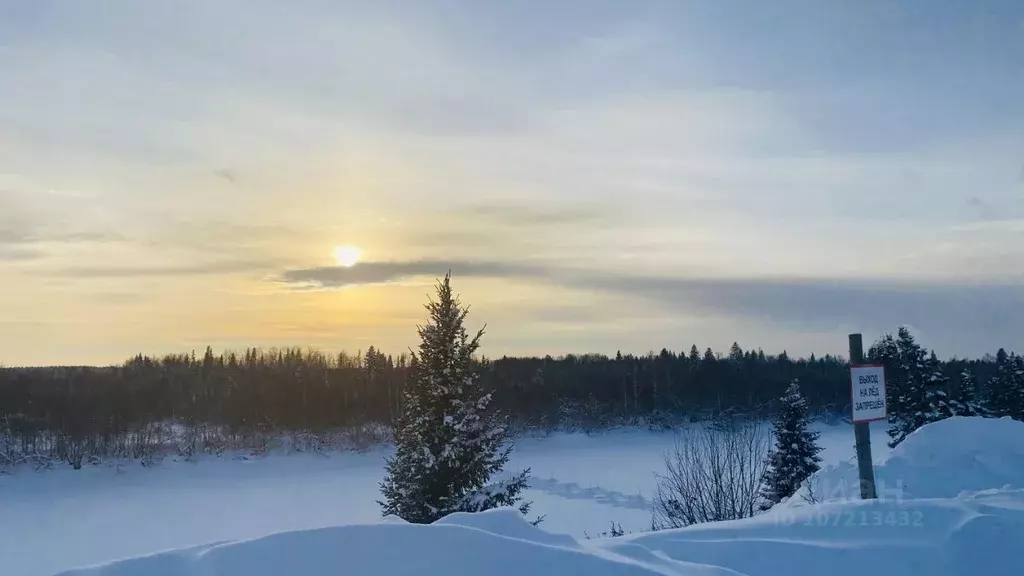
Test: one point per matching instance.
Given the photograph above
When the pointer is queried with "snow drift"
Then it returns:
(961, 527)
(941, 460)
(938, 537)
(935, 537)
(495, 543)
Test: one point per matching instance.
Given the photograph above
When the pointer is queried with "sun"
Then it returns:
(347, 256)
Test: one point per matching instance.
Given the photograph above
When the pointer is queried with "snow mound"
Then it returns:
(938, 537)
(940, 460)
(386, 549)
(976, 534)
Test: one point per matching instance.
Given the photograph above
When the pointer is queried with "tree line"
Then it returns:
(251, 399)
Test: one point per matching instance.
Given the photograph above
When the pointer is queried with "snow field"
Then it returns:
(60, 519)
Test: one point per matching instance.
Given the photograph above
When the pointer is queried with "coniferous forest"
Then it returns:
(249, 400)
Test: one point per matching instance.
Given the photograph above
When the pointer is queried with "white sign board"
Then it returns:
(868, 392)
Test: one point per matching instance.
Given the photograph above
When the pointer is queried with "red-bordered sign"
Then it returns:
(867, 392)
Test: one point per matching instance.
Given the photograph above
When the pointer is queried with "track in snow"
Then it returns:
(573, 491)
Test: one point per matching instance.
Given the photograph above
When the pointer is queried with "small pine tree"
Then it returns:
(795, 456)
(448, 445)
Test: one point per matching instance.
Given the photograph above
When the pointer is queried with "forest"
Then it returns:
(250, 400)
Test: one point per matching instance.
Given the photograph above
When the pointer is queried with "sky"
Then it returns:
(598, 175)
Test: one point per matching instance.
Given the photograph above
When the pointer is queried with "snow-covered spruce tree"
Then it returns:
(938, 405)
(448, 445)
(795, 456)
(1004, 395)
(905, 382)
(964, 399)
(885, 351)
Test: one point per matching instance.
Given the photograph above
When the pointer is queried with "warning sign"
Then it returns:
(868, 392)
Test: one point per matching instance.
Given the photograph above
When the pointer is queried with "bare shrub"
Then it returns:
(810, 495)
(73, 450)
(714, 473)
(187, 440)
(362, 438)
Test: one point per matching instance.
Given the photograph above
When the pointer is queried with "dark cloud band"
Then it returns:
(992, 313)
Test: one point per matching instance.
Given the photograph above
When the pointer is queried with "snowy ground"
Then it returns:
(61, 519)
(951, 531)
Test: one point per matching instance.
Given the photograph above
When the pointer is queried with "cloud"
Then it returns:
(953, 314)
(226, 175)
(993, 224)
(823, 304)
(205, 269)
(521, 214)
(11, 236)
(200, 235)
(567, 315)
(649, 140)
(15, 254)
(503, 228)
(438, 237)
(383, 272)
(30, 221)
(117, 297)
(23, 239)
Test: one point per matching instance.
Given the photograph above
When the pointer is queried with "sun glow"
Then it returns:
(347, 256)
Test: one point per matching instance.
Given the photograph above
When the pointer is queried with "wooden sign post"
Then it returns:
(867, 397)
